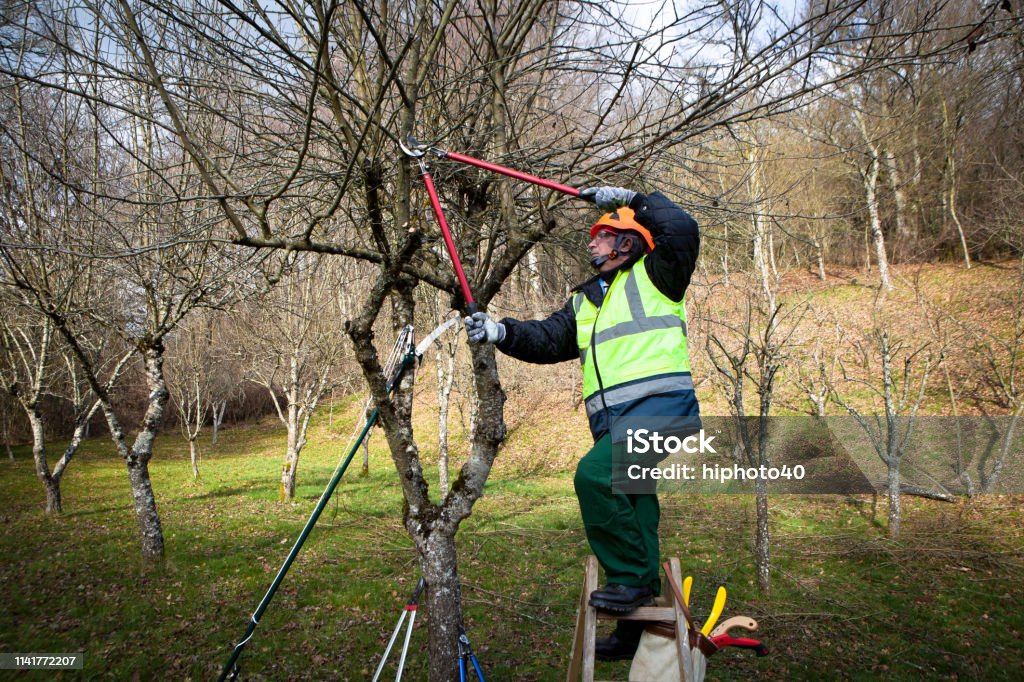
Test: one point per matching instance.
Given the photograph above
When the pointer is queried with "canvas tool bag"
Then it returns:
(657, 658)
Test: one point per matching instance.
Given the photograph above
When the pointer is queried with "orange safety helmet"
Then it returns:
(623, 219)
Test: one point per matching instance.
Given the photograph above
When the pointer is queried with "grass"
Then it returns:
(943, 602)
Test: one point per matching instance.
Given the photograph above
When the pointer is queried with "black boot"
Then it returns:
(621, 598)
(623, 642)
(611, 648)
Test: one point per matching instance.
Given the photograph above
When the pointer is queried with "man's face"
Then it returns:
(602, 245)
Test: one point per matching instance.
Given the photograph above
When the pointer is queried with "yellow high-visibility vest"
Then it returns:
(634, 345)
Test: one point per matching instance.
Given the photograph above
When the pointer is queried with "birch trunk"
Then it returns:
(949, 200)
(291, 459)
(959, 226)
(869, 178)
(193, 456)
(899, 194)
(137, 456)
(893, 489)
(50, 484)
(762, 539)
(870, 181)
(217, 415)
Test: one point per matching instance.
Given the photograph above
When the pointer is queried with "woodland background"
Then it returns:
(206, 223)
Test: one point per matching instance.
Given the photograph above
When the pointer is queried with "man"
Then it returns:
(627, 325)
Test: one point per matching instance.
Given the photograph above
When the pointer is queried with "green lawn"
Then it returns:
(944, 602)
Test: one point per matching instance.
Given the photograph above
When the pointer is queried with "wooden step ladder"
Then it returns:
(581, 664)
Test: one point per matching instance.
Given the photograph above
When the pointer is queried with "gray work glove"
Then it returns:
(482, 329)
(608, 198)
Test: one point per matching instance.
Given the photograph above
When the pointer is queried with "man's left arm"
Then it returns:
(676, 241)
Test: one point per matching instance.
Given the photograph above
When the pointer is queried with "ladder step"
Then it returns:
(581, 660)
(642, 613)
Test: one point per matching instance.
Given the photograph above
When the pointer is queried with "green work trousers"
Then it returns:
(622, 529)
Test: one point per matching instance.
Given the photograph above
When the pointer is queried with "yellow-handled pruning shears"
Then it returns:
(716, 611)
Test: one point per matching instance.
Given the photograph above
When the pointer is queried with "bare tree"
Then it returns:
(901, 392)
(88, 245)
(25, 374)
(190, 380)
(1004, 361)
(298, 345)
(816, 382)
(754, 351)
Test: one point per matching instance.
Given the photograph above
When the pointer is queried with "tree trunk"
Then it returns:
(54, 504)
(150, 530)
(193, 454)
(870, 179)
(819, 251)
(762, 540)
(444, 604)
(445, 382)
(955, 217)
(365, 469)
(895, 510)
(900, 195)
(725, 253)
(950, 134)
(137, 456)
(762, 231)
(218, 418)
(442, 448)
(291, 463)
(50, 484)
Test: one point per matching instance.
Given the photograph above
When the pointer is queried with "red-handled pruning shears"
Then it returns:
(742, 642)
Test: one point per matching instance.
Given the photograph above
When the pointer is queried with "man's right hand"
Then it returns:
(482, 329)
(608, 198)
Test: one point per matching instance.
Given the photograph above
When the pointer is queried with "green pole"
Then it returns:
(230, 668)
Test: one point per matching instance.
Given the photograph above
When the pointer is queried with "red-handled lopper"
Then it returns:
(416, 149)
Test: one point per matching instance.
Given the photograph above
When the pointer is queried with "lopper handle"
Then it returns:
(449, 244)
(518, 175)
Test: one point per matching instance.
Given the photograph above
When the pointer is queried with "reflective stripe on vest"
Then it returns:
(640, 339)
(631, 392)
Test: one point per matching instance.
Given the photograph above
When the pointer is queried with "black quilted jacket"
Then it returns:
(670, 266)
